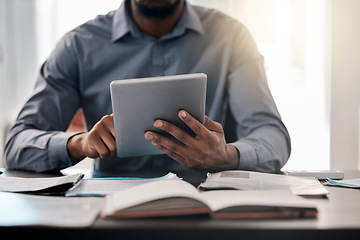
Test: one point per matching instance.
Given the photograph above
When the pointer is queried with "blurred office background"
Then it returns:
(312, 60)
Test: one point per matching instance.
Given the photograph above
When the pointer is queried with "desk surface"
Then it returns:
(339, 217)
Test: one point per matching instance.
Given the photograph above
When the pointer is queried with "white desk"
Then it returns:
(339, 218)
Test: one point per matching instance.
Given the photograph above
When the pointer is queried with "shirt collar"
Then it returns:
(123, 23)
(192, 19)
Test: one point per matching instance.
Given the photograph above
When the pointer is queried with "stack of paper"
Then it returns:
(246, 180)
(39, 185)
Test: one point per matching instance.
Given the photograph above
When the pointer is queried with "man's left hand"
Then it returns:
(208, 151)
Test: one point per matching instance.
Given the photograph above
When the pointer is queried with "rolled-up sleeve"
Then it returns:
(37, 142)
(263, 140)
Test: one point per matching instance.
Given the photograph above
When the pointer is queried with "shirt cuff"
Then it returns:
(57, 152)
(247, 156)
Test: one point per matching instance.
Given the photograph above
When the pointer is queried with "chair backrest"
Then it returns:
(230, 127)
(78, 122)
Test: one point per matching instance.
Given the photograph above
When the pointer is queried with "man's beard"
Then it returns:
(162, 12)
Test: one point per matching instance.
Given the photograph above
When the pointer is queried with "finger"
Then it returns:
(96, 145)
(108, 123)
(172, 154)
(176, 132)
(108, 134)
(89, 151)
(163, 142)
(212, 125)
(193, 123)
(178, 157)
(112, 131)
(102, 137)
(110, 143)
(103, 150)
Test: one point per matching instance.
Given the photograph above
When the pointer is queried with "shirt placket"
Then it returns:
(157, 61)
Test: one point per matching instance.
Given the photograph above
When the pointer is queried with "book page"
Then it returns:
(104, 186)
(148, 192)
(221, 199)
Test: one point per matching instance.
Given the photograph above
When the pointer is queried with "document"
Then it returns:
(103, 186)
(39, 185)
(32, 210)
(349, 183)
(247, 180)
(174, 198)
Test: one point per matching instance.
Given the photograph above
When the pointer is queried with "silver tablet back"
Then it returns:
(137, 103)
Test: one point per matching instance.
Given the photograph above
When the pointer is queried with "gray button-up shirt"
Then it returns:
(78, 72)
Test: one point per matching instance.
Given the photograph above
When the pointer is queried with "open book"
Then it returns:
(177, 197)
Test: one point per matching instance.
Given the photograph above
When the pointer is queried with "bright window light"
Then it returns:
(291, 35)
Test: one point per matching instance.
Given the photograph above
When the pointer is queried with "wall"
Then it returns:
(17, 54)
(345, 84)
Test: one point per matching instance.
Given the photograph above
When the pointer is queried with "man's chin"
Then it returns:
(155, 3)
(157, 9)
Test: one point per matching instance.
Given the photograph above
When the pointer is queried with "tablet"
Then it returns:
(137, 103)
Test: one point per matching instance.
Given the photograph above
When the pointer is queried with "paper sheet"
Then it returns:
(18, 184)
(33, 210)
(105, 186)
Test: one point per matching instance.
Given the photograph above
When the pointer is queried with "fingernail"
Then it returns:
(183, 114)
(158, 124)
(149, 136)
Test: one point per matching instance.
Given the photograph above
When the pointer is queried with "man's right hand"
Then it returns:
(98, 142)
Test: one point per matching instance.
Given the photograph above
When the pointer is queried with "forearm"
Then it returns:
(37, 150)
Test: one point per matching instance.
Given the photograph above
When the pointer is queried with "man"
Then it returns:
(146, 38)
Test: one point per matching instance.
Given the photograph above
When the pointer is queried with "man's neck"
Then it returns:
(156, 27)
